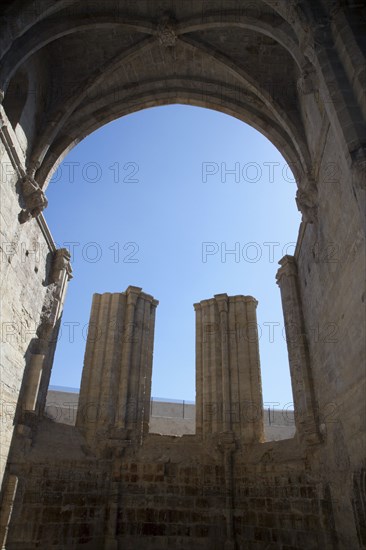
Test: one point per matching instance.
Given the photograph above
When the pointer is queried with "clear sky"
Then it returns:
(158, 199)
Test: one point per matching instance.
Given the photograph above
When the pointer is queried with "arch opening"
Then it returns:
(249, 110)
(235, 249)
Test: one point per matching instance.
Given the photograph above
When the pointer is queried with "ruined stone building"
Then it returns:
(293, 69)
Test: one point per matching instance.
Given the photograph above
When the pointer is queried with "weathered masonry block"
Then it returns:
(228, 381)
(116, 384)
(307, 420)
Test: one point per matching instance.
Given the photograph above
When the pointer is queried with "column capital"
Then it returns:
(61, 261)
(222, 301)
(133, 289)
(244, 299)
(205, 303)
(132, 293)
(288, 268)
(149, 298)
(307, 200)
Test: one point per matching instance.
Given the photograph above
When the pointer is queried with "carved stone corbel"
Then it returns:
(307, 201)
(33, 197)
(61, 273)
(61, 262)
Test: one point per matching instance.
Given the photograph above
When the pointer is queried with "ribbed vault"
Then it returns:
(99, 61)
(126, 56)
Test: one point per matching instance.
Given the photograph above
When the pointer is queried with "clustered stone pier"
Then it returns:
(115, 389)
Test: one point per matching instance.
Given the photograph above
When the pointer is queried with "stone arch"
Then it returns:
(44, 32)
(295, 153)
(164, 97)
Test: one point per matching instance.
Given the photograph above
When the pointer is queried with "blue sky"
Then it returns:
(158, 199)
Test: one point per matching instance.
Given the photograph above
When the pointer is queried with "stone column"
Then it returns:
(60, 276)
(7, 503)
(147, 346)
(33, 382)
(131, 335)
(39, 368)
(222, 303)
(299, 361)
(199, 370)
(228, 381)
(115, 391)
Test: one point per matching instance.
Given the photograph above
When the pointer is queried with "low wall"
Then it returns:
(169, 417)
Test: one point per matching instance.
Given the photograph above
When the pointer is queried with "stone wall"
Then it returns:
(168, 418)
(171, 492)
(331, 257)
(26, 260)
(60, 502)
